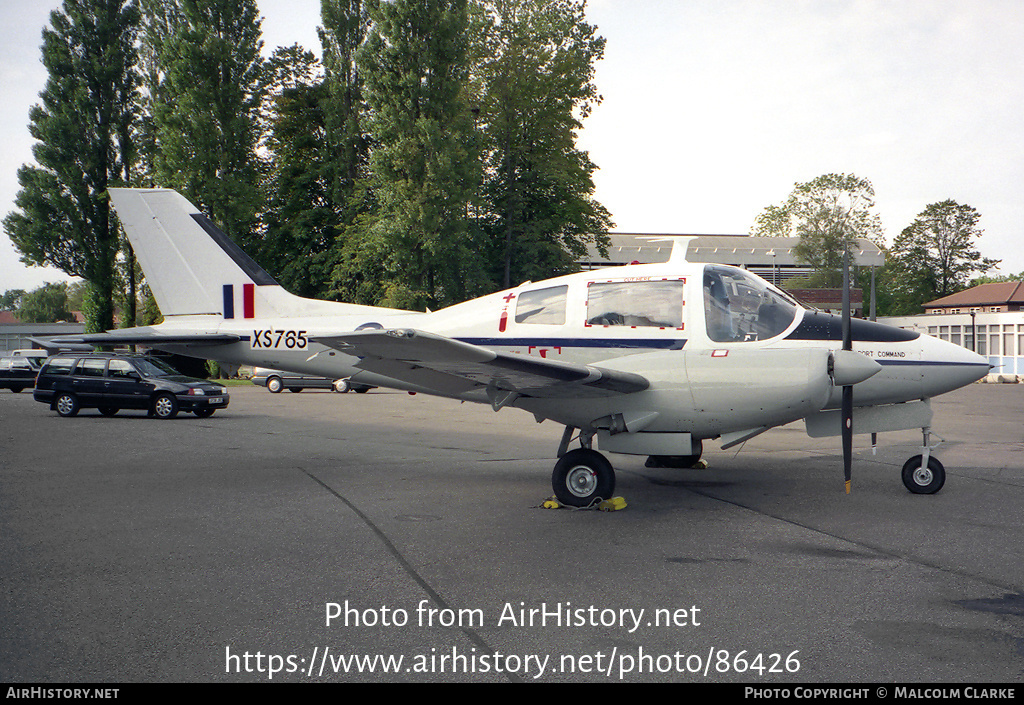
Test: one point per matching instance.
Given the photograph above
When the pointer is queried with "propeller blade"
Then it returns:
(847, 338)
(847, 406)
(847, 411)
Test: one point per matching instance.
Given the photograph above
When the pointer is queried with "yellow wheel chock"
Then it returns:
(608, 505)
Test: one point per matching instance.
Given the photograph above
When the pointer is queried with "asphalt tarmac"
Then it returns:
(321, 537)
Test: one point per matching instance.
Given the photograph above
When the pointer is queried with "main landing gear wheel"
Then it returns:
(582, 477)
(923, 480)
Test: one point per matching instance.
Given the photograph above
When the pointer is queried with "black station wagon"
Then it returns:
(17, 373)
(111, 382)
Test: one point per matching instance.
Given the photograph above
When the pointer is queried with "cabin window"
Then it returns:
(740, 307)
(60, 366)
(92, 367)
(544, 306)
(656, 304)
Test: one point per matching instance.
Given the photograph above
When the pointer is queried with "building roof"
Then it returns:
(738, 250)
(998, 294)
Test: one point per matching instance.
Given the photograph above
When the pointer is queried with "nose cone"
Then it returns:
(947, 366)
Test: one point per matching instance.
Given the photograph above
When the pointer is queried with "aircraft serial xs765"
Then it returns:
(646, 359)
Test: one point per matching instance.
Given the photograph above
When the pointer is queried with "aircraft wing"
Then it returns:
(451, 367)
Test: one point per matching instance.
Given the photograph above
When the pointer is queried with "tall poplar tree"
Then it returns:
(534, 71)
(301, 218)
(345, 26)
(318, 151)
(205, 82)
(84, 127)
(415, 70)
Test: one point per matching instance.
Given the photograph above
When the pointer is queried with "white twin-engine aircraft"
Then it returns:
(648, 359)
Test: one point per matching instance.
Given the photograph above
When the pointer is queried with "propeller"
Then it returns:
(847, 403)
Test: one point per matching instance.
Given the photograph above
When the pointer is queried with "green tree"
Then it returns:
(995, 279)
(84, 129)
(360, 258)
(935, 256)
(10, 300)
(318, 166)
(535, 63)
(415, 70)
(828, 214)
(301, 219)
(205, 86)
(345, 27)
(47, 304)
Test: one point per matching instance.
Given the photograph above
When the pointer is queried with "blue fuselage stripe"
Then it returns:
(938, 363)
(650, 343)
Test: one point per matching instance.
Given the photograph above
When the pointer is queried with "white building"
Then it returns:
(988, 319)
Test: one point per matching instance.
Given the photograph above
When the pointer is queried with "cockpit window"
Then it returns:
(739, 307)
(636, 303)
(542, 306)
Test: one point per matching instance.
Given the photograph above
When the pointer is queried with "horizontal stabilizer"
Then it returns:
(139, 336)
(451, 367)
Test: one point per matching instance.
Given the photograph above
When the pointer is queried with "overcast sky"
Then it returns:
(713, 109)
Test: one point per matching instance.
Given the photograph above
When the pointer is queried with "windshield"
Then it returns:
(154, 368)
(739, 307)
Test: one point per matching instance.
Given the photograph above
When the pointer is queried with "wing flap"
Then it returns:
(451, 366)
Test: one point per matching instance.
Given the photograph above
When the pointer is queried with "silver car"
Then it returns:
(276, 380)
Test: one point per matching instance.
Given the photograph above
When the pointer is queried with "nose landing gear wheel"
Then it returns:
(581, 477)
(923, 480)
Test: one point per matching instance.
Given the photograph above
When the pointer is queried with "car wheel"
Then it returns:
(66, 404)
(341, 386)
(274, 385)
(165, 406)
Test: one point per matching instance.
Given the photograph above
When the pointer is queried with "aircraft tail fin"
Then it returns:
(194, 268)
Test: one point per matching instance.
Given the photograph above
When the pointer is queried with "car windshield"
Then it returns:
(154, 368)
